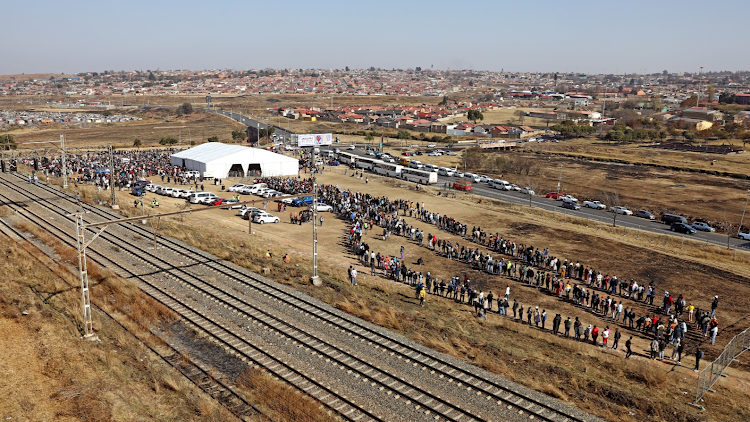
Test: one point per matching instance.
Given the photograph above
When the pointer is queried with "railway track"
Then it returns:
(193, 371)
(506, 398)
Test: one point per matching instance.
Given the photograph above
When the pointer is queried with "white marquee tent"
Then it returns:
(219, 160)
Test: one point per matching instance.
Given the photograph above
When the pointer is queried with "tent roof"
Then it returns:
(217, 151)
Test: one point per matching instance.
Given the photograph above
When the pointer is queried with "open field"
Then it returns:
(156, 124)
(597, 380)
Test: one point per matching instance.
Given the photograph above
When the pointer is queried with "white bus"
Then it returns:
(346, 158)
(365, 163)
(388, 169)
(419, 176)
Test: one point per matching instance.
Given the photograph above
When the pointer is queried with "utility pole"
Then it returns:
(315, 280)
(63, 164)
(112, 178)
(700, 86)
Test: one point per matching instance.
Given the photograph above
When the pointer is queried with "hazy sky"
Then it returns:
(543, 35)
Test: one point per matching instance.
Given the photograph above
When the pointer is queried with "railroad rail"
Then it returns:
(506, 397)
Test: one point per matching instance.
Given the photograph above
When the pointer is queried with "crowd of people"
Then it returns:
(611, 299)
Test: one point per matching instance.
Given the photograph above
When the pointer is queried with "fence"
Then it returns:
(710, 374)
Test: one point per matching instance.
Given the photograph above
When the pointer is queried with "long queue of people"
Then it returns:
(608, 297)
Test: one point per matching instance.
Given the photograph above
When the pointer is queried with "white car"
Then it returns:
(484, 179)
(527, 191)
(699, 225)
(434, 154)
(265, 217)
(167, 191)
(444, 171)
(236, 188)
(459, 174)
(370, 152)
(569, 198)
(515, 187)
(352, 147)
(745, 236)
(621, 210)
(595, 205)
(450, 153)
(431, 146)
(324, 207)
(178, 193)
(271, 193)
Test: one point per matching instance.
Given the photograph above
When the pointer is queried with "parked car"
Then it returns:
(450, 153)
(370, 152)
(569, 198)
(459, 174)
(570, 205)
(704, 227)
(352, 147)
(471, 176)
(595, 205)
(265, 217)
(645, 214)
(554, 195)
(621, 210)
(484, 179)
(445, 171)
(218, 201)
(515, 187)
(235, 188)
(673, 218)
(324, 207)
(682, 228)
(527, 191)
(744, 236)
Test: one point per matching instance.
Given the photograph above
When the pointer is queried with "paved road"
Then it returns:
(483, 189)
(283, 133)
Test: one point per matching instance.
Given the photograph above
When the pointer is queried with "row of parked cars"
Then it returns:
(676, 222)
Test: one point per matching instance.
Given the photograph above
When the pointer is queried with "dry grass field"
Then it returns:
(595, 379)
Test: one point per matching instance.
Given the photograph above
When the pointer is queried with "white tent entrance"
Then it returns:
(236, 171)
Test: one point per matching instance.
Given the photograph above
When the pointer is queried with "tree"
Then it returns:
(403, 134)
(137, 143)
(368, 137)
(474, 115)
(347, 68)
(239, 135)
(167, 141)
(213, 138)
(185, 108)
(710, 92)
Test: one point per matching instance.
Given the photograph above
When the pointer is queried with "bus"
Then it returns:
(404, 161)
(366, 163)
(388, 169)
(419, 176)
(346, 158)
